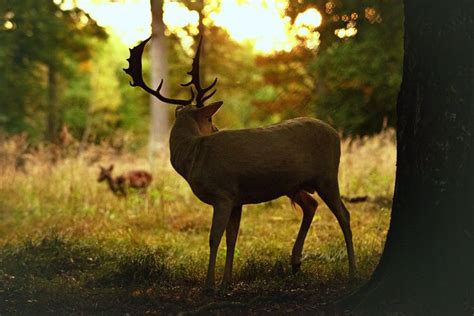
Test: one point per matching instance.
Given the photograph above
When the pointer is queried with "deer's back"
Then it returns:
(263, 163)
(138, 178)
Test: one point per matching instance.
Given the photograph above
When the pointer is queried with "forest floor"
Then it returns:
(69, 246)
(54, 276)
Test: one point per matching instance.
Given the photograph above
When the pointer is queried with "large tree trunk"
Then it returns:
(159, 125)
(427, 265)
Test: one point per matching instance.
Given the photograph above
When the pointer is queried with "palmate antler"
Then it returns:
(135, 71)
(196, 80)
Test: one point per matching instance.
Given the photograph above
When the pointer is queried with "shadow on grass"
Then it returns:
(58, 275)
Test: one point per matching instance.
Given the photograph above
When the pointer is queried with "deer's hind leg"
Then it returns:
(309, 205)
(329, 192)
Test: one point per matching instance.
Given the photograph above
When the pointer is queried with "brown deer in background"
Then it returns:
(136, 179)
(227, 169)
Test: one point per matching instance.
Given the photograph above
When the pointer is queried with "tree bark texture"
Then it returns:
(427, 264)
(159, 125)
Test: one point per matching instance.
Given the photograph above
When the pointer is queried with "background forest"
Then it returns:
(68, 245)
(60, 68)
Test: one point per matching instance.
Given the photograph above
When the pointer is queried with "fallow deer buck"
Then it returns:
(135, 179)
(227, 169)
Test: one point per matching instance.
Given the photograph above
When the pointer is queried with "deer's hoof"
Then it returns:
(295, 267)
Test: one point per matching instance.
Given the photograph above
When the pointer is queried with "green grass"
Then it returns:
(67, 245)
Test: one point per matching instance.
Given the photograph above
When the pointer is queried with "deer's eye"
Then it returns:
(209, 120)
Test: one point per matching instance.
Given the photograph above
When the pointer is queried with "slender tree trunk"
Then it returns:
(159, 125)
(427, 264)
(85, 133)
(52, 117)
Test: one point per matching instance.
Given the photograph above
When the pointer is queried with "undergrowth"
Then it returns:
(68, 245)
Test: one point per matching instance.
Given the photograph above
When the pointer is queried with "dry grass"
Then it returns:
(51, 206)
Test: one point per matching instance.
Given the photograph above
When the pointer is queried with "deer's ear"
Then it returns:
(210, 109)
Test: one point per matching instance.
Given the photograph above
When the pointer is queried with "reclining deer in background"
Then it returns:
(228, 169)
(136, 179)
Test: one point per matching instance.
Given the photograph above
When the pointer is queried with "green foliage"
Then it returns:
(38, 38)
(233, 64)
(238, 90)
(351, 82)
(358, 78)
(98, 101)
(104, 98)
(288, 85)
(354, 94)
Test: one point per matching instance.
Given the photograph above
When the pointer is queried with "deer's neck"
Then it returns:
(112, 184)
(184, 147)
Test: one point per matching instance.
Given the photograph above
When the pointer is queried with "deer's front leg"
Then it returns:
(232, 231)
(220, 218)
(309, 205)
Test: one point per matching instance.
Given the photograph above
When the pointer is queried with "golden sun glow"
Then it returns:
(262, 23)
(266, 26)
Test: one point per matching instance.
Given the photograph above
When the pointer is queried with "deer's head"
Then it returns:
(201, 118)
(199, 114)
(105, 173)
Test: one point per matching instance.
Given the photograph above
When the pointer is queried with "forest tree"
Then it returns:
(426, 266)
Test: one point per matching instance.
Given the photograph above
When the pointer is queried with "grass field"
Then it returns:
(69, 246)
